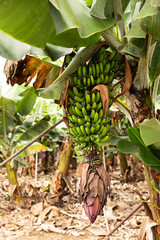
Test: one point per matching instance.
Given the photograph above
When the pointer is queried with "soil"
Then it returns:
(41, 217)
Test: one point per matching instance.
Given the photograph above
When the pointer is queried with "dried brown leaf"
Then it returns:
(146, 226)
(104, 92)
(128, 79)
(100, 190)
(85, 176)
(26, 69)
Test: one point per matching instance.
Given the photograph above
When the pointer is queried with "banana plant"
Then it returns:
(130, 27)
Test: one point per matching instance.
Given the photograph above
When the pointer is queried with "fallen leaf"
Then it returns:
(46, 211)
(104, 92)
(146, 226)
(97, 230)
(128, 79)
(12, 189)
(51, 228)
(37, 209)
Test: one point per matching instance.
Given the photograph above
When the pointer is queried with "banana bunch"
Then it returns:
(85, 115)
(87, 125)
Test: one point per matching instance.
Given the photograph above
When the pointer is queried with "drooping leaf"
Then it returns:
(134, 136)
(104, 92)
(151, 25)
(128, 79)
(25, 70)
(75, 14)
(26, 104)
(19, 162)
(150, 131)
(147, 10)
(136, 31)
(34, 148)
(29, 22)
(35, 130)
(155, 63)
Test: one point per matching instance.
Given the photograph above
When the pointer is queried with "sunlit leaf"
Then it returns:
(29, 22)
(147, 10)
(150, 131)
(155, 3)
(103, 9)
(136, 31)
(75, 14)
(26, 104)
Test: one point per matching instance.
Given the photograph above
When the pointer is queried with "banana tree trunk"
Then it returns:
(12, 179)
(140, 103)
(58, 184)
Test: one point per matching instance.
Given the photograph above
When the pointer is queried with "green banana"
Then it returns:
(78, 99)
(88, 124)
(69, 109)
(74, 119)
(81, 120)
(88, 82)
(102, 53)
(99, 106)
(105, 79)
(102, 77)
(112, 64)
(71, 135)
(92, 129)
(84, 81)
(77, 93)
(79, 131)
(88, 107)
(71, 100)
(93, 97)
(87, 97)
(87, 130)
(80, 75)
(73, 110)
(100, 113)
(75, 79)
(94, 105)
(86, 117)
(96, 117)
(90, 70)
(84, 71)
(96, 141)
(107, 68)
(111, 55)
(97, 127)
(104, 132)
(78, 112)
(92, 80)
(78, 105)
(92, 114)
(83, 129)
(92, 138)
(105, 139)
(98, 81)
(84, 111)
(98, 96)
(101, 128)
(97, 69)
(73, 131)
(79, 83)
(70, 93)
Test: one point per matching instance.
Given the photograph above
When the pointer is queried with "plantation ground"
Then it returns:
(32, 221)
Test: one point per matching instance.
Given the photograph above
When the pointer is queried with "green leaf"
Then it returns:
(136, 47)
(29, 22)
(151, 25)
(19, 162)
(136, 31)
(7, 115)
(150, 131)
(72, 14)
(147, 10)
(155, 63)
(35, 130)
(134, 136)
(27, 102)
(13, 49)
(103, 9)
(144, 154)
(34, 148)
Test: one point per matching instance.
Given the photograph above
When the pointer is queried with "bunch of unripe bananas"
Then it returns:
(87, 124)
